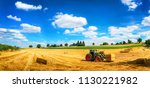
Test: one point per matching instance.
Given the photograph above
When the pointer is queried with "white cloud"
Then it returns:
(14, 31)
(92, 28)
(74, 25)
(146, 34)
(75, 30)
(99, 40)
(14, 18)
(68, 21)
(146, 21)
(67, 31)
(79, 29)
(86, 32)
(110, 39)
(90, 33)
(45, 9)
(30, 28)
(118, 34)
(27, 7)
(16, 36)
(131, 4)
(13, 35)
(20, 36)
(120, 31)
(96, 40)
(41, 43)
(148, 11)
(3, 30)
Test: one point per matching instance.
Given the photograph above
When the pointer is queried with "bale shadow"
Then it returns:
(139, 62)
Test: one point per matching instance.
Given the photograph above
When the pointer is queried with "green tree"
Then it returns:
(30, 46)
(48, 45)
(80, 43)
(147, 42)
(117, 43)
(77, 43)
(66, 44)
(139, 40)
(105, 43)
(54, 45)
(38, 46)
(93, 43)
(83, 43)
(120, 43)
(124, 42)
(74, 44)
(61, 45)
(129, 41)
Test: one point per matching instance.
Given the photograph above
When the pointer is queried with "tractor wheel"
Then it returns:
(88, 57)
(98, 59)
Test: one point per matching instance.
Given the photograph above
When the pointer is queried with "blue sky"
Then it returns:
(24, 22)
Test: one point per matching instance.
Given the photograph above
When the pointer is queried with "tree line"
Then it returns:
(78, 43)
(82, 43)
(4, 47)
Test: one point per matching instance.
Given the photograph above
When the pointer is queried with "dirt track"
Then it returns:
(69, 59)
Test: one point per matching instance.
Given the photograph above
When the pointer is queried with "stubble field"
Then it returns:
(71, 59)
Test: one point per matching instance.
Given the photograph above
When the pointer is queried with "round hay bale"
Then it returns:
(110, 57)
(125, 51)
(41, 61)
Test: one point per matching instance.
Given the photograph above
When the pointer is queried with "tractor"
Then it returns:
(94, 55)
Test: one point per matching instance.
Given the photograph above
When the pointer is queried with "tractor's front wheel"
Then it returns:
(88, 57)
(98, 59)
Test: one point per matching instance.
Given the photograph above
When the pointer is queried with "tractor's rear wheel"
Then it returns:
(88, 57)
(98, 59)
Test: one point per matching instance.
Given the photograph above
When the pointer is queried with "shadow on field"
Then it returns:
(95, 61)
(139, 62)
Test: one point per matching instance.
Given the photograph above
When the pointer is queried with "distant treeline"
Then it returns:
(82, 43)
(79, 43)
(4, 47)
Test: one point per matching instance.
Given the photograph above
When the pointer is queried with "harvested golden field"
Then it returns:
(71, 59)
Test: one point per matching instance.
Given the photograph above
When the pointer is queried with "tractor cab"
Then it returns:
(93, 53)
